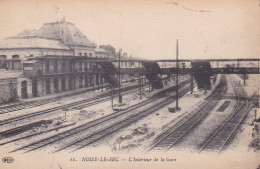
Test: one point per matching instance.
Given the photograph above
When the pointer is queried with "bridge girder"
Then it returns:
(189, 71)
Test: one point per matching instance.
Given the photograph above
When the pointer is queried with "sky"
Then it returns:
(149, 28)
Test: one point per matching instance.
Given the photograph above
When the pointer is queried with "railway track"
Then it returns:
(31, 104)
(36, 134)
(35, 103)
(86, 141)
(223, 106)
(24, 105)
(131, 116)
(173, 136)
(223, 135)
(74, 105)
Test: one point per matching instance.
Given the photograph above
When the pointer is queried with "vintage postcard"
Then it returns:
(94, 84)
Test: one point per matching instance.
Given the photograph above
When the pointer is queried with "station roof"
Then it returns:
(67, 32)
(56, 35)
(32, 42)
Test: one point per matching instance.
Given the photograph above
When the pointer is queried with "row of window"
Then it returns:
(17, 56)
(78, 66)
(126, 64)
(10, 65)
(72, 66)
(13, 57)
(85, 54)
(89, 81)
(90, 55)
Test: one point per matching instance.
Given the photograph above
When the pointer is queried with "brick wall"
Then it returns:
(8, 90)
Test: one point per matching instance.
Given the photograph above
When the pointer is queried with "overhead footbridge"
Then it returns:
(91, 69)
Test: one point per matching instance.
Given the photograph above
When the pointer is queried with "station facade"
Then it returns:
(53, 59)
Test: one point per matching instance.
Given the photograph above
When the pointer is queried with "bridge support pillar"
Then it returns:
(244, 79)
(102, 82)
(191, 84)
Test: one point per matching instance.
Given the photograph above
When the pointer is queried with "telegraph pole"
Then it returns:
(177, 76)
(142, 77)
(112, 96)
(119, 73)
(177, 108)
(102, 83)
(139, 79)
(191, 86)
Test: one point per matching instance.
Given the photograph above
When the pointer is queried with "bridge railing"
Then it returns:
(189, 70)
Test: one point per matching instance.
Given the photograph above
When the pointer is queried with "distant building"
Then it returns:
(101, 53)
(110, 49)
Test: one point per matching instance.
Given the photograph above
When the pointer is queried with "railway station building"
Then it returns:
(50, 60)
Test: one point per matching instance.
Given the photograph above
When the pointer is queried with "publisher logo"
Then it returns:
(7, 159)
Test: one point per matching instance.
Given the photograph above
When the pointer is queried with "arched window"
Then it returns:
(80, 66)
(63, 66)
(80, 81)
(15, 57)
(24, 89)
(86, 54)
(47, 66)
(55, 65)
(80, 53)
(90, 55)
(56, 85)
(2, 56)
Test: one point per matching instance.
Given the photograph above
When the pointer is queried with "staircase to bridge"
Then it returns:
(109, 71)
(151, 72)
